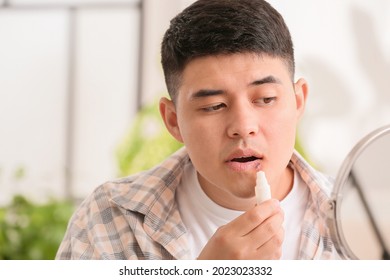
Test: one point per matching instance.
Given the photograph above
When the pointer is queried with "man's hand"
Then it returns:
(256, 234)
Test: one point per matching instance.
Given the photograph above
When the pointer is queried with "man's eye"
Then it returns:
(266, 100)
(214, 107)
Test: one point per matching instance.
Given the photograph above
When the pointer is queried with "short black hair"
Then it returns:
(213, 27)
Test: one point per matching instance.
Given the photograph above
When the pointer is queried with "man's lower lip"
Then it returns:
(244, 166)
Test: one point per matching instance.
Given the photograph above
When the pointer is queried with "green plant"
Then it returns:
(147, 143)
(31, 231)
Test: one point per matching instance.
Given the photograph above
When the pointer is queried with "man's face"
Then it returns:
(237, 114)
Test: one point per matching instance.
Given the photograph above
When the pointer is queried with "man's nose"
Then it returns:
(243, 122)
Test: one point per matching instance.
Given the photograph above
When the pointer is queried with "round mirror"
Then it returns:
(360, 206)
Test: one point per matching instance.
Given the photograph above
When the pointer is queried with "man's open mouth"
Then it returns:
(245, 159)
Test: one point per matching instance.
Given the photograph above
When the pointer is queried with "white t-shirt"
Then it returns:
(202, 216)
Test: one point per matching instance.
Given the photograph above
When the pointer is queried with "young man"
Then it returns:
(229, 70)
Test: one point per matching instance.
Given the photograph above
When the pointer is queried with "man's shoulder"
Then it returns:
(315, 179)
(162, 173)
(141, 187)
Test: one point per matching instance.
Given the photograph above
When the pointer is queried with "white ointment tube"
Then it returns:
(262, 188)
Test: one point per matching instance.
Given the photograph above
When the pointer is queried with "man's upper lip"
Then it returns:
(243, 153)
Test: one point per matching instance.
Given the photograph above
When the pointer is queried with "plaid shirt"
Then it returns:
(137, 217)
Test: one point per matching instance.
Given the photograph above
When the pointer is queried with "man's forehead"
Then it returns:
(217, 68)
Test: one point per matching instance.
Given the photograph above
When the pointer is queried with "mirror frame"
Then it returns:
(333, 218)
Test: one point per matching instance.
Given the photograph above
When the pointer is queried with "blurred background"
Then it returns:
(79, 82)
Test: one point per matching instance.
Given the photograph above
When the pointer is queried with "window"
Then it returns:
(69, 87)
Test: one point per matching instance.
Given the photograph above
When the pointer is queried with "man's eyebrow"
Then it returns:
(266, 80)
(212, 92)
(206, 93)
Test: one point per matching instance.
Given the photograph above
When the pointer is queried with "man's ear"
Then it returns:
(301, 91)
(169, 116)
